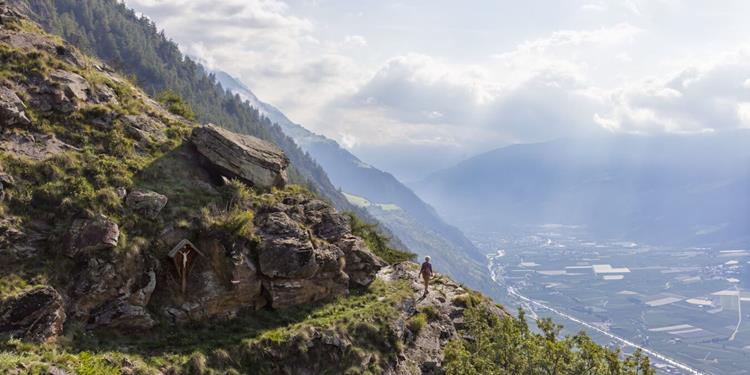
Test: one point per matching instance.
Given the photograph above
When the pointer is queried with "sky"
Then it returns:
(416, 86)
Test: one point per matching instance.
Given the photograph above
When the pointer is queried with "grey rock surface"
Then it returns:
(146, 202)
(250, 159)
(36, 315)
(11, 108)
(91, 235)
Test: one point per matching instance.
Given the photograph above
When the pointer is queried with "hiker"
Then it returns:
(426, 273)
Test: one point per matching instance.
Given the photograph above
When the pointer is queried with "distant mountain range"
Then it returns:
(414, 222)
(685, 189)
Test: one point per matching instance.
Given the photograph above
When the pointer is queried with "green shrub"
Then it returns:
(175, 104)
(506, 345)
(431, 312)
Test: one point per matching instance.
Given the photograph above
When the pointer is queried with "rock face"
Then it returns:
(11, 108)
(145, 129)
(34, 146)
(21, 241)
(361, 263)
(113, 290)
(91, 235)
(146, 202)
(221, 285)
(37, 315)
(307, 265)
(62, 91)
(250, 159)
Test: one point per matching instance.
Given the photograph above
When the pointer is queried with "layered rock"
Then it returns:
(37, 315)
(61, 91)
(146, 202)
(33, 146)
(11, 108)
(247, 158)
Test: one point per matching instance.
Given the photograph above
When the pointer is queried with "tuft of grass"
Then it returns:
(431, 312)
(416, 323)
(94, 365)
(175, 104)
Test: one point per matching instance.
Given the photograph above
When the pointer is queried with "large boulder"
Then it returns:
(146, 202)
(37, 315)
(91, 235)
(11, 108)
(250, 159)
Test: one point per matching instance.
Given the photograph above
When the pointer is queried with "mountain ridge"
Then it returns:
(609, 183)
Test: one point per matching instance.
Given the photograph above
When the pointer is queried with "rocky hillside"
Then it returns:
(411, 220)
(136, 241)
(119, 215)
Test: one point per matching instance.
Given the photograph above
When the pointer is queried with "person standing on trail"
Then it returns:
(426, 273)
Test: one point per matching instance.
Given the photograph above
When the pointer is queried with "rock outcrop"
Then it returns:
(11, 108)
(61, 91)
(113, 290)
(250, 159)
(361, 264)
(146, 202)
(91, 235)
(145, 129)
(312, 350)
(37, 315)
(21, 241)
(33, 146)
(306, 265)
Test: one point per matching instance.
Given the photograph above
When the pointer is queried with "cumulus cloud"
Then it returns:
(418, 100)
(697, 99)
(274, 51)
(576, 68)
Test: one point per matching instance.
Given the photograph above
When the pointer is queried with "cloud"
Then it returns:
(696, 99)
(451, 79)
(355, 40)
(419, 100)
(274, 51)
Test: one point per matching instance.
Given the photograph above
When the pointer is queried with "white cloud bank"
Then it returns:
(375, 77)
